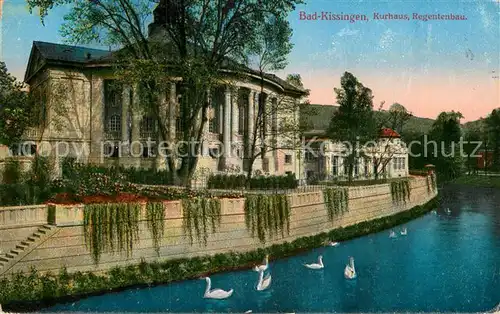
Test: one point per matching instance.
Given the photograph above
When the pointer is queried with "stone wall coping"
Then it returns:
(8, 208)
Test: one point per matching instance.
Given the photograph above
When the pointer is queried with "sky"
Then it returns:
(427, 66)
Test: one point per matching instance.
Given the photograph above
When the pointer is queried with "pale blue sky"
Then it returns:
(427, 66)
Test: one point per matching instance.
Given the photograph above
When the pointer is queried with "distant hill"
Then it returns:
(316, 119)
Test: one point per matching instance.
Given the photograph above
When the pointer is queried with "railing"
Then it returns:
(23, 215)
(112, 135)
(144, 135)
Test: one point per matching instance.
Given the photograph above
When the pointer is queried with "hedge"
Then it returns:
(228, 181)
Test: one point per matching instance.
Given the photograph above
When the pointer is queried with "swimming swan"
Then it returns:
(448, 211)
(350, 271)
(404, 232)
(331, 243)
(264, 266)
(392, 234)
(216, 293)
(434, 212)
(263, 283)
(318, 265)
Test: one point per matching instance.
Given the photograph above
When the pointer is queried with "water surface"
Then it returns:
(446, 263)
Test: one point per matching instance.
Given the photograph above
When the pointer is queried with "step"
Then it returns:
(36, 234)
(25, 243)
(4, 259)
(21, 247)
(44, 231)
(10, 255)
(14, 251)
(32, 239)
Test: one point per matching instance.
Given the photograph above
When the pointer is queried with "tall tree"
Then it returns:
(270, 53)
(398, 117)
(353, 122)
(15, 108)
(200, 37)
(446, 133)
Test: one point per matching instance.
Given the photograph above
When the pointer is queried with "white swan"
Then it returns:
(264, 266)
(318, 265)
(448, 211)
(331, 243)
(350, 271)
(392, 234)
(404, 232)
(434, 212)
(263, 283)
(215, 293)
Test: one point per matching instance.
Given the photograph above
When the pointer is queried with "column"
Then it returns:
(135, 143)
(172, 112)
(124, 145)
(160, 162)
(226, 135)
(97, 118)
(250, 117)
(206, 127)
(234, 116)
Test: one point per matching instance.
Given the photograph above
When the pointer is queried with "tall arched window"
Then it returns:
(147, 125)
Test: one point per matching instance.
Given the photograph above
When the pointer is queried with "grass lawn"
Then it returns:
(482, 181)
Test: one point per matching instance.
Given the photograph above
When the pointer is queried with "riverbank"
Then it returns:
(479, 181)
(33, 291)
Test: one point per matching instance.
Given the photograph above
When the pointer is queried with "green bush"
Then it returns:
(11, 173)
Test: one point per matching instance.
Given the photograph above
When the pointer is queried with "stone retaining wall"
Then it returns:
(308, 217)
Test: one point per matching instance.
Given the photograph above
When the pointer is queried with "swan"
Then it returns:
(404, 231)
(350, 271)
(264, 266)
(263, 283)
(434, 212)
(215, 293)
(331, 243)
(248, 312)
(318, 265)
(392, 234)
(448, 211)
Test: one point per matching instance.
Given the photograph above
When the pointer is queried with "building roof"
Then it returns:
(389, 133)
(59, 52)
(43, 53)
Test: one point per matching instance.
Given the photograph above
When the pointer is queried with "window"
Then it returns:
(147, 125)
(346, 166)
(115, 123)
(113, 94)
(395, 162)
(179, 125)
(288, 159)
(148, 152)
(403, 163)
(356, 167)
(335, 165)
(310, 157)
(112, 151)
(211, 120)
(366, 167)
(214, 152)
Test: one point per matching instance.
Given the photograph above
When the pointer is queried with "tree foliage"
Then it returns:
(15, 108)
(353, 122)
(493, 131)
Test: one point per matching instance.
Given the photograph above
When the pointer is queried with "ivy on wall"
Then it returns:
(400, 191)
(267, 215)
(200, 213)
(336, 201)
(431, 183)
(110, 227)
(155, 217)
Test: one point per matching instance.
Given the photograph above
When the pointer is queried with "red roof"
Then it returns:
(387, 132)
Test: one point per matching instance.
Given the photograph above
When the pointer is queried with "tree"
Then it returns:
(383, 150)
(271, 52)
(353, 122)
(200, 37)
(15, 108)
(493, 130)
(446, 132)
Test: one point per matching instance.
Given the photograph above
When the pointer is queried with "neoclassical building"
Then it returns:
(87, 114)
(326, 160)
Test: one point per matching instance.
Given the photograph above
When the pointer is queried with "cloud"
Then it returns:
(347, 32)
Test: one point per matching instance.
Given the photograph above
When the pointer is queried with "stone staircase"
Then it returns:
(8, 260)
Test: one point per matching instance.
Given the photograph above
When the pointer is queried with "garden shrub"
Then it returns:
(228, 181)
